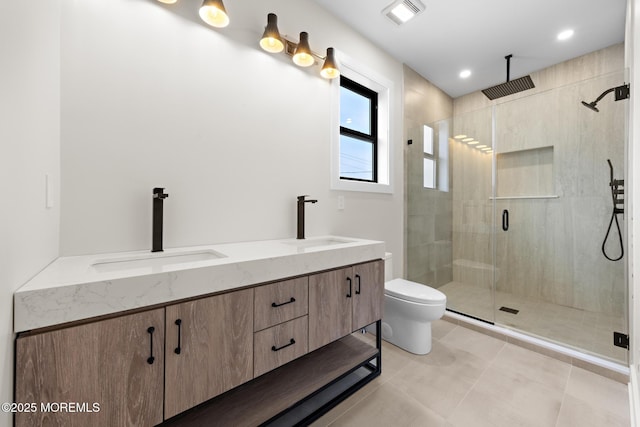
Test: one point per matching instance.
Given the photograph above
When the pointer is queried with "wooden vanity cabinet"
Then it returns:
(105, 363)
(209, 350)
(144, 368)
(344, 300)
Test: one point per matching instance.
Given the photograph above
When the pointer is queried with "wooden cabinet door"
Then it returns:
(368, 293)
(330, 296)
(215, 342)
(104, 363)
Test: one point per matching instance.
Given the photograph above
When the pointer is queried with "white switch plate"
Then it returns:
(340, 203)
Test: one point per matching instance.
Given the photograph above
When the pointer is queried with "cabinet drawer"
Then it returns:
(280, 344)
(280, 302)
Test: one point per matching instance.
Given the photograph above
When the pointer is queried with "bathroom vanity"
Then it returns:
(236, 333)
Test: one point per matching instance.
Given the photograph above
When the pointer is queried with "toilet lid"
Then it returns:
(412, 291)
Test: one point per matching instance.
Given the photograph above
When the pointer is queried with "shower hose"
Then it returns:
(614, 217)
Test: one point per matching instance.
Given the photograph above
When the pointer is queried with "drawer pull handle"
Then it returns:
(151, 359)
(349, 280)
(178, 349)
(358, 280)
(291, 342)
(273, 304)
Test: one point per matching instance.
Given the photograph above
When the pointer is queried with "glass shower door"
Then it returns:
(471, 289)
(553, 203)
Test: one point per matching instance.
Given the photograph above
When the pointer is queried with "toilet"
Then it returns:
(409, 309)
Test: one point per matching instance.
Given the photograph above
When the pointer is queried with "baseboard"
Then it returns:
(634, 396)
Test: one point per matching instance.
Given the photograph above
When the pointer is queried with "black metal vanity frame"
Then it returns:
(374, 371)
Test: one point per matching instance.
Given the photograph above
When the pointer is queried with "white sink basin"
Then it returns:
(155, 260)
(317, 242)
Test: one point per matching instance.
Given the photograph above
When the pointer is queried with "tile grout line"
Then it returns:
(453, 411)
(564, 394)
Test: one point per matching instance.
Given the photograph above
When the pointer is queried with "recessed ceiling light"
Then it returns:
(465, 73)
(467, 139)
(565, 35)
(486, 149)
(460, 136)
(400, 11)
(472, 142)
(480, 146)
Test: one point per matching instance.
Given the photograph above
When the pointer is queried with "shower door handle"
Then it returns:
(505, 220)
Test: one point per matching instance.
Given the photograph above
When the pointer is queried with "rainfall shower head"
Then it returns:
(511, 86)
(622, 92)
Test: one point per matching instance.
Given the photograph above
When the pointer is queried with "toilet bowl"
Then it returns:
(409, 309)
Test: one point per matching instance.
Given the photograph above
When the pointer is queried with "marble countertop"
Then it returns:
(80, 287)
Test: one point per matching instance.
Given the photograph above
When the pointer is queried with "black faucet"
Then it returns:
(301, 202)
(158, 196)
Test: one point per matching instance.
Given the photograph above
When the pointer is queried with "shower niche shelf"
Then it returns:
(525, 174)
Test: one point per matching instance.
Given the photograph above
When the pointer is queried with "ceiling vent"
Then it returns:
(401, 11)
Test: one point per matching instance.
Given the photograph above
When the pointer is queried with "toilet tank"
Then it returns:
(388, 266)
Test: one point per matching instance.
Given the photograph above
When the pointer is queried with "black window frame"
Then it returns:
(372, 137)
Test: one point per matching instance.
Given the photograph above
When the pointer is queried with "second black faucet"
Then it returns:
(158, 196)
(301, 201)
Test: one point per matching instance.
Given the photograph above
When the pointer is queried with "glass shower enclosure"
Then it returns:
(508, 207)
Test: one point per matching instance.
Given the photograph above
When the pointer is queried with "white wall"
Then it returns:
(29, 149)
(153, 97)
(632, 55)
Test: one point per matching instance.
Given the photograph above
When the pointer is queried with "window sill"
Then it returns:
(366, 187)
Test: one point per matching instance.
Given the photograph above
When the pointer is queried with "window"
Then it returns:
(358, 132)
(429, 161)
(435, 142)
(361, 155)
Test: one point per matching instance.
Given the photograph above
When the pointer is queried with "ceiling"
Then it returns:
(453, 35)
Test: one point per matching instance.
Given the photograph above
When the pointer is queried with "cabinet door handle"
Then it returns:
(349, 280)
(358, 281)
(151, 359)
(273, 304)
(291, 342)
(178, 349)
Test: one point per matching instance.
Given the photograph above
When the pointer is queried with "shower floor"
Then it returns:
(585, 330)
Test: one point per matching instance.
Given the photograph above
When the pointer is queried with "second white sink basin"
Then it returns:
(317, 242)
(155, 260)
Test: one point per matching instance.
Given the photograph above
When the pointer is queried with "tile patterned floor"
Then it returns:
(584, 330)
(470, 379)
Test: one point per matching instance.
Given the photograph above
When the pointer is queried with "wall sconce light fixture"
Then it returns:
(330, 68)
(271, 40)
(301, 52)
(213, 13)
(302, 56)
